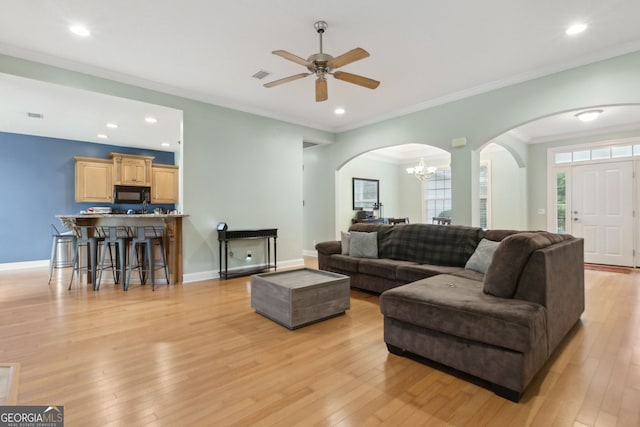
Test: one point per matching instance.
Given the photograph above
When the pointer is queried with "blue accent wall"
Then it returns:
(37, 182)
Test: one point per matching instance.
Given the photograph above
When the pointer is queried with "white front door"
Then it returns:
(602, 211)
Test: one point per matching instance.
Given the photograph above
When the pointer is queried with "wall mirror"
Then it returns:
(366, 193)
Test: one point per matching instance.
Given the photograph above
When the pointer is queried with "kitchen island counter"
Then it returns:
(172, 224)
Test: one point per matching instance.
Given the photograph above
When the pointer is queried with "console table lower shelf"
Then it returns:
(267, 234)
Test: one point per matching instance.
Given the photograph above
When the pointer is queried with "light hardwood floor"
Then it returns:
(198, 355)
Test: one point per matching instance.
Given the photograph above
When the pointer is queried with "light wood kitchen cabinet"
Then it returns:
(164, 184)
(129, 169)
(94, 180)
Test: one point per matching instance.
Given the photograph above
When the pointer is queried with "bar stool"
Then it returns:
(89, 238)
(60, 241)
(142, 256)
(118, 237)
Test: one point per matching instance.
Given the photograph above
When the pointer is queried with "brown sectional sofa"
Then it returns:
(499, 326)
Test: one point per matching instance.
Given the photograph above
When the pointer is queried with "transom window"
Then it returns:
(597, 153)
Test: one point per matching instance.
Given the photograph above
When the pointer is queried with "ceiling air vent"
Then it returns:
(261, 74)
(35, 115)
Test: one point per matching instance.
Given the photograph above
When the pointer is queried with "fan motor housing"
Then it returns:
(320, 62)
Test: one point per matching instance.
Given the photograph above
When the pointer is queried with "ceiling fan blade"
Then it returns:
(347, 58)
(321, 90)
(292, 57)
(286, 80)
(356, 79)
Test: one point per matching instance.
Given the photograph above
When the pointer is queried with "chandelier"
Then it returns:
(420, 171)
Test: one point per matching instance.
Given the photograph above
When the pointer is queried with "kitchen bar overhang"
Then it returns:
(172, 224)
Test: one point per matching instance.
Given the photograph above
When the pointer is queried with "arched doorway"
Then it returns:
(401, 194)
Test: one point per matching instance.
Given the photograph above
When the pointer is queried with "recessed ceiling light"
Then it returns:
(587, 116)
(339, 111)
(166, 144)
(102, 136)
(80, 30)
(151, 119)
(576, 29)
(112, 125)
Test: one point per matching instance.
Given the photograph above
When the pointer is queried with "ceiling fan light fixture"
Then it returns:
(588, 116)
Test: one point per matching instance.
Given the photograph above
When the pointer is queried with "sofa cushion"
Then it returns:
(383, 267)
(482, 256)
(363, 245)
(469, 274)
(449, 245)
(457, 306)
(412, 272)
(502, 276)
(342, 263)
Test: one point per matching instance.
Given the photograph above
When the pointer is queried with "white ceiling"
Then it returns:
(81, 115)
(424, 52)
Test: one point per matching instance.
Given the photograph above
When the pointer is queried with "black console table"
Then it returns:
(227, 235)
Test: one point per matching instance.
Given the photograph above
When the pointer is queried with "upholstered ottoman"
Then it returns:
(298, 298)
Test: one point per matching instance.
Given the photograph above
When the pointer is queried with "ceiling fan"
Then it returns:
(322, 64)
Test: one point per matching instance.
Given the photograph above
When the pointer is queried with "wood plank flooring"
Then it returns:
(198, 355)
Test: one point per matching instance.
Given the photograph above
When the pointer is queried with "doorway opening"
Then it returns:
(593, 195)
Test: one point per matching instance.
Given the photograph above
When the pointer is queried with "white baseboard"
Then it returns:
(186, 278)
(208, 275)
(24, 265)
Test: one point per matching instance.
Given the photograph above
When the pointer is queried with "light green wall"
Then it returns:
(247, 170)
(508, 190)
(480, 119)
(410, 195)
(386, 173)
(236, 167)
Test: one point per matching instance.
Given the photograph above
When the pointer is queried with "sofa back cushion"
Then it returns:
(510, 257)
(449, 245)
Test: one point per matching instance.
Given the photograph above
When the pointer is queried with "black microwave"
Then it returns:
(131, 194)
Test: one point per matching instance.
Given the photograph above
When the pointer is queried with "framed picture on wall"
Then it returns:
(366, 193)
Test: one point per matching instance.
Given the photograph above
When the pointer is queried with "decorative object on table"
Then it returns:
(322, 64)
